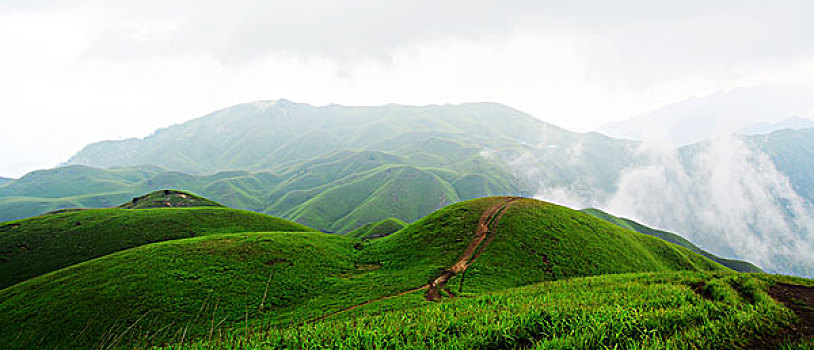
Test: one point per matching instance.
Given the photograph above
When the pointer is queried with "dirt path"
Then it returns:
(482, 238)
(800, 300)
(486, 225)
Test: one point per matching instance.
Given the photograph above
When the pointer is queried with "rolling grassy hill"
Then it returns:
(79, 186)
(534, 241)
(372, 186)
(187, 288)
(38, 245)
(737, 265)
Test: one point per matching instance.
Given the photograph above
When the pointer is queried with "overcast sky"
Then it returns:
(75, 72)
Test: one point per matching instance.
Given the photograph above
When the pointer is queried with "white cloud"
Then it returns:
(725, 198)
(82, 71)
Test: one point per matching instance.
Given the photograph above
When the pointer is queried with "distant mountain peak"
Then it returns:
(699, 119)
(761, 128)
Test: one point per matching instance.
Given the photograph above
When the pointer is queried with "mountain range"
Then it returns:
(759, 109)
(338, 168)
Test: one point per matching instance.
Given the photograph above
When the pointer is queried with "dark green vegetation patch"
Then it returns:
(169, 199)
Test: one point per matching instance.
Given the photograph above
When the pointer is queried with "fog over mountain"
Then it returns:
(763, 108)
(85, 71)
(759, 128)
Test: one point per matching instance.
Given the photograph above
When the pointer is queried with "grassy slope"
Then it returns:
(378, 229)
(538, 241)
(668, 310)
(31, 247)
(160, 288)
(737, 265)
(177, 280)
(530, 233)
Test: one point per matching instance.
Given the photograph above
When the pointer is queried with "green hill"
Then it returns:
(172, 290)
(38, 245)
(737, 265)
(379, 229)
(400, 191)
(162, 291)
(534, 241)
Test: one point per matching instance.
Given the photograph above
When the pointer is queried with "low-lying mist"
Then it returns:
(725, 197)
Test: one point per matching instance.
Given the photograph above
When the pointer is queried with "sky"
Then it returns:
(76, 72)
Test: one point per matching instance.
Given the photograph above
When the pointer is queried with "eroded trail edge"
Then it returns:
(800, 300)
(483, 236)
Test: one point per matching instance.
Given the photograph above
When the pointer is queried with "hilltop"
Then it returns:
(169, 199)
(157, 291)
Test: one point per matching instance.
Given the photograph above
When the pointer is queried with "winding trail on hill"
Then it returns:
(486, 225)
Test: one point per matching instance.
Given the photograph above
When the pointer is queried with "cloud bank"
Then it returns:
(722, 195)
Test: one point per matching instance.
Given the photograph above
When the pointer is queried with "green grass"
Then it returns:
(630, 311)
(158, 293)
(534, 241)
(379, 229)
(406, 192)
(737, 265)
(34, 246)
